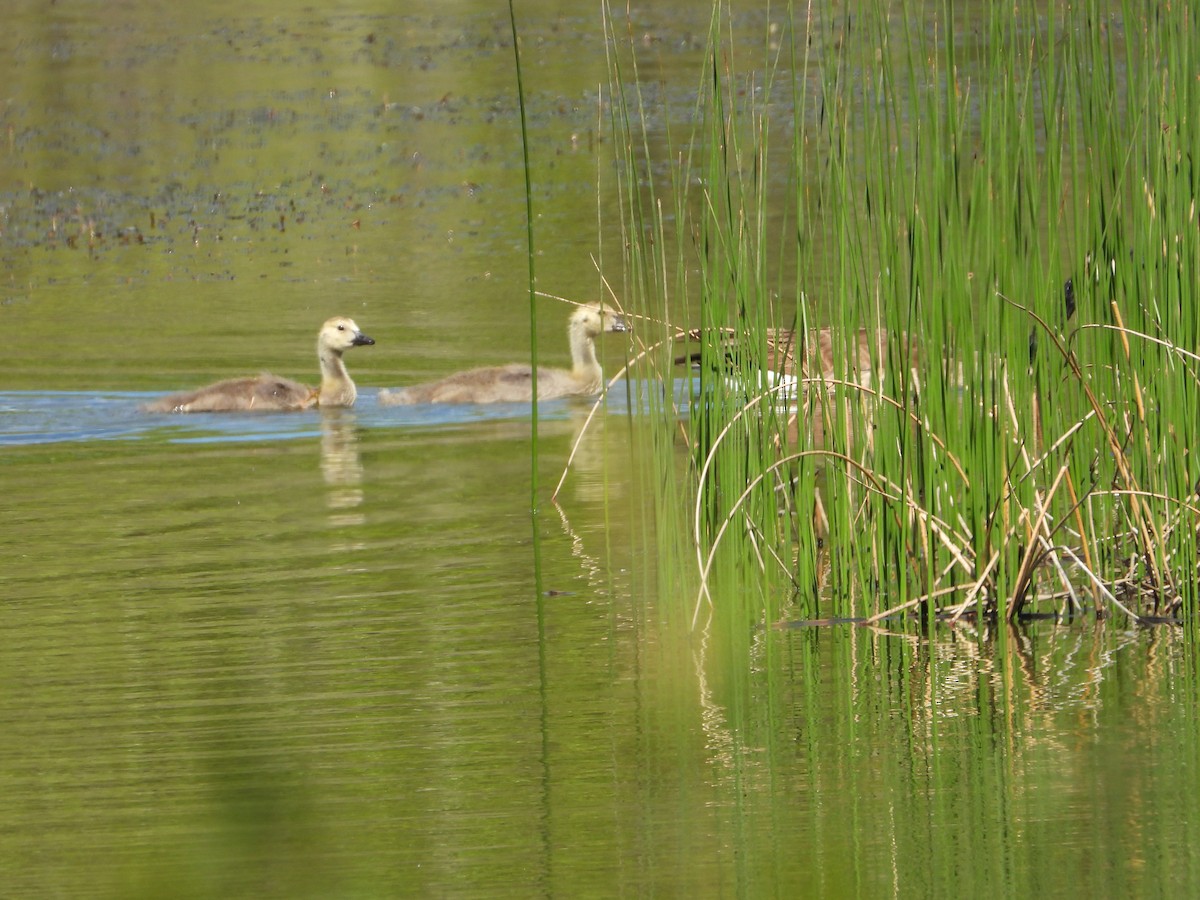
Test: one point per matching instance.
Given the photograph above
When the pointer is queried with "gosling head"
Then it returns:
(339, 334)
(594, 318)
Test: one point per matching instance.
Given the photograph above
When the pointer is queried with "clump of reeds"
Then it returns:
(1013, 228)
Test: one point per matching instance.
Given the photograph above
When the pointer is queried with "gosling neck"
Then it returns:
(336, 387)
(585, 368)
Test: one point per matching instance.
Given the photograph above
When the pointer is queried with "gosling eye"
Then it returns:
(341, 328)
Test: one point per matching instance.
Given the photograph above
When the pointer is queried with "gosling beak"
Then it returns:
(361, 340)
(618, 323)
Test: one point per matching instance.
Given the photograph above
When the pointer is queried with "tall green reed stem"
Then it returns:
(530, 257)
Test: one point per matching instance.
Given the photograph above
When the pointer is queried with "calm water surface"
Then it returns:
(310, 655)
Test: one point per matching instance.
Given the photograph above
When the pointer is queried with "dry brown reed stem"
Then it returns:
(784, 388)
(943, 530)
(960, 557)
(781, 360)
(1124, 333)
(1143, 521)
(582, 431)
(1084, 542)
(1100, 585)
(1037, 536)
(872, 483)
(1034, 537)
(1025, 572)
(1150, 339)
(646, 351)
(976, 587)
(706, 564)
(915, 602)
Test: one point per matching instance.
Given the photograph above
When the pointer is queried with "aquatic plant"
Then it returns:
(1011, 199)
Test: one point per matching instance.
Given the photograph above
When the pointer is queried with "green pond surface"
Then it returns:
(322, 654)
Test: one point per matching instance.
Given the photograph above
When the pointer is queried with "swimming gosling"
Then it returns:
(514, 383)
(270, 392)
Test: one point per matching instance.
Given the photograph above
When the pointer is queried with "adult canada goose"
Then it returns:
(822, 357)
(819, 356)
(270, 392)
(514, 383)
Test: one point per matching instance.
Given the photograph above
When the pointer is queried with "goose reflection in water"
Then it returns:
(341, 467)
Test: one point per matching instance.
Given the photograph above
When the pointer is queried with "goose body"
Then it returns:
(819, 355)
(513, 383)
(270, 392)
(858, 362)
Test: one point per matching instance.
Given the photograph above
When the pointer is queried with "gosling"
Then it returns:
(514, 383)
(272, 393)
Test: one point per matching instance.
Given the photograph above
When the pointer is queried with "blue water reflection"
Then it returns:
(50, 417)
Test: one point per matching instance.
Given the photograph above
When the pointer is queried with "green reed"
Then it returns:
(1011, 199)
(531, 257)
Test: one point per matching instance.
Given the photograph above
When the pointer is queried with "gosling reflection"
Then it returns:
(342, 467)
(588, 463)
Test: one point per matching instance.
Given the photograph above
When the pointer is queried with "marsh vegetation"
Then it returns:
(1009, 201)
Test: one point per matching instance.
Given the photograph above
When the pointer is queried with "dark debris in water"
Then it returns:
(100, 220)
(298, 127)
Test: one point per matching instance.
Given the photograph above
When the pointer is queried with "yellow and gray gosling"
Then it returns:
(270, 392)
(513, 383)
